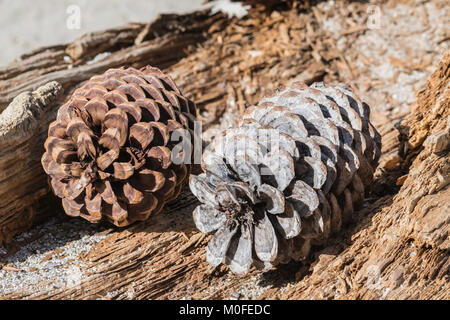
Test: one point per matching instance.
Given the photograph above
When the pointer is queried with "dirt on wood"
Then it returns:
(395, 247)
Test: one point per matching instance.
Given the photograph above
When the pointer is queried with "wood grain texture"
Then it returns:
(24, 190)
(163, 43)
(395, 248)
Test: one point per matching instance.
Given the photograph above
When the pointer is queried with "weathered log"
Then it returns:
(380, 255)
(400, 251)
(161, 43)
(23, 186)
(24, 192)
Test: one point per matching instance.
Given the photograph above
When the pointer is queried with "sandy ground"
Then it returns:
(28, 24)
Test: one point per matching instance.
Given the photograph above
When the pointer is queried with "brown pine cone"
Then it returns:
(108, 154)
(286, 178)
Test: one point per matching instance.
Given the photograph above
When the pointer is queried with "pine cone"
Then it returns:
(286, 178)
(108, 154)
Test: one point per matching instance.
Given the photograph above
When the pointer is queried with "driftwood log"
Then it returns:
(397, 247)
(24, 193)
(401, 249)
(23, 187)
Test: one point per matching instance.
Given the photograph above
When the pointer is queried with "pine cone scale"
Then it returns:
(266, 244)
(219, 244)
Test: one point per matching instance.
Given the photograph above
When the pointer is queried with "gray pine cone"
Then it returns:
(287, 178)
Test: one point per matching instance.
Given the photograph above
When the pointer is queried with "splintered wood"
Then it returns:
(396, 247)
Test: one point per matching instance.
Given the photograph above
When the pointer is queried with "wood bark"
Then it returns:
(395, 248)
